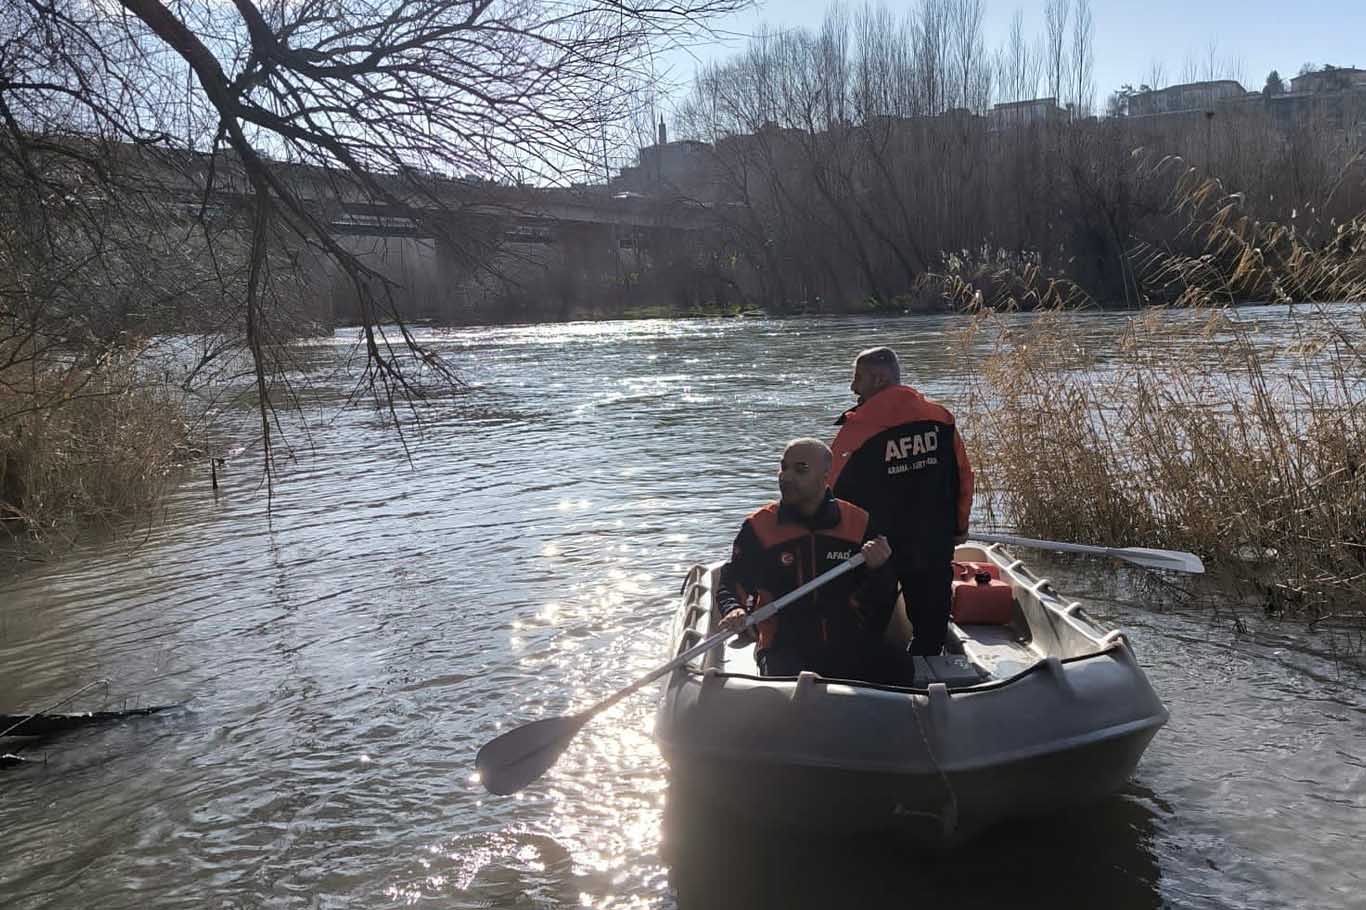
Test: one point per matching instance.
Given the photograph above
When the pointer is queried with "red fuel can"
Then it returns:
(980, 597)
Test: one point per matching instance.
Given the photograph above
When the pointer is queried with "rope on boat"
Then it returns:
(948, 820)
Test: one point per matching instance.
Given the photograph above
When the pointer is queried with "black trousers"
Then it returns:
(870, 661)
(928, 593)
(877, 663)
(783, 662)
(856, 662)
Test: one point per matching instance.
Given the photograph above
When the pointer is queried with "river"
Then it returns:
(343, 657)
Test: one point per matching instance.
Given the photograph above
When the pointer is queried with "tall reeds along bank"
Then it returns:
(82, 445)
(1196, 429)
(88, 425)
(1215, 250)
(123, 315)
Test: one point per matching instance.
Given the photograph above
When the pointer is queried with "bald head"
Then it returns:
(881, 361)
(874, 370)
(801, 477)
(811, 448)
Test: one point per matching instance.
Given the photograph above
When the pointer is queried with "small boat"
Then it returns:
(1032, 710)
(32, 725)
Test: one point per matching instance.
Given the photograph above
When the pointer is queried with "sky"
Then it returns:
(1255, 36)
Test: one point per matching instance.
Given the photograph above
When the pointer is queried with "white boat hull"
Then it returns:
(1062, 720)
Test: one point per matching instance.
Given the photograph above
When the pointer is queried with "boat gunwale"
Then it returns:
(1048, 596)
(1037, 750)
(984, 686)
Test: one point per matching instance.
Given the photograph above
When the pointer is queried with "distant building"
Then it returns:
(683, 168)
(1023, 113)
(674, 164)
(1329, 79)
(1192, 96)
(1325, 109)
(1332, 102)
(958, 115)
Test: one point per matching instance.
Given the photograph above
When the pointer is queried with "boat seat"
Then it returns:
(996, 649)
(955, 671)
(741, 660)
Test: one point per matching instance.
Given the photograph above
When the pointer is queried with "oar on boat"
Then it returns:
(516, 758)
(1172, 560)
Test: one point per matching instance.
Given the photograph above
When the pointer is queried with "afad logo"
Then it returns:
(787, 559)
(908, 446)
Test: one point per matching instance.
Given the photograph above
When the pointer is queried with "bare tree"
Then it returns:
(1157, 75)
(1213, 66)
(376, 101)
(1083, 88)
(1190, 68)
(877, 90)
(832, 65)
(1235, 68)
(1056, 16)
(931, 53)
(1017, 64)
(971, 74)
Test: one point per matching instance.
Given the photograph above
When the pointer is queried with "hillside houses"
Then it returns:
(1330, 102)
(1181, 98)
(1331, 99)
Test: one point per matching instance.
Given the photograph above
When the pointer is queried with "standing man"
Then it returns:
(836, 630)
(899, 455)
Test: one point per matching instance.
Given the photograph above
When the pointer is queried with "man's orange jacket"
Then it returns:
(834, 629)
(899, 456)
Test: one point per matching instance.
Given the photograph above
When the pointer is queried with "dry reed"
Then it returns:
(1197, 428)
(84, 446)
(1231, 256)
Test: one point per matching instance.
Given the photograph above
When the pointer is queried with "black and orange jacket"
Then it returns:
(899, 455)
(778, 550)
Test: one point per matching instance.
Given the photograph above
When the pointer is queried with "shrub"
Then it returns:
(83, 445)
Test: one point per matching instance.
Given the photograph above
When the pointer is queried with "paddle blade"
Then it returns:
(515, 759)
(1172, 560)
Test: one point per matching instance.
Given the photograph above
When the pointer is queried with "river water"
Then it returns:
(342, 658)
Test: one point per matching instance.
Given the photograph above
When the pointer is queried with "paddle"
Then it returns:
(1174, 560)
(519, 756)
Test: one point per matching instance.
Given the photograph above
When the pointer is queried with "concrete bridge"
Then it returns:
(469, 246)
(425, 206)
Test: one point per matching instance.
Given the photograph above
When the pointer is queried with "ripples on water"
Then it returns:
(342, 659)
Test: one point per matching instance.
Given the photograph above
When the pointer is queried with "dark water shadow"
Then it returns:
(1101, 856)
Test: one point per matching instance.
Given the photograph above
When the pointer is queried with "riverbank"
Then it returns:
(82, 446)
(1197, 430)
(1208, 250)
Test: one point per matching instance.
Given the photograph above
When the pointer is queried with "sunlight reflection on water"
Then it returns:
(344, 658)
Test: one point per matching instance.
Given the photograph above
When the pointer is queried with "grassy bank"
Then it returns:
(1197, 430)
(82, 445)
(1202, 433)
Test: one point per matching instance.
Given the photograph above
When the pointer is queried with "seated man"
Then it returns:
(837, 629)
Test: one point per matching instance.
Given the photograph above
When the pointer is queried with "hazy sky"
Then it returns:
(1252, 36)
